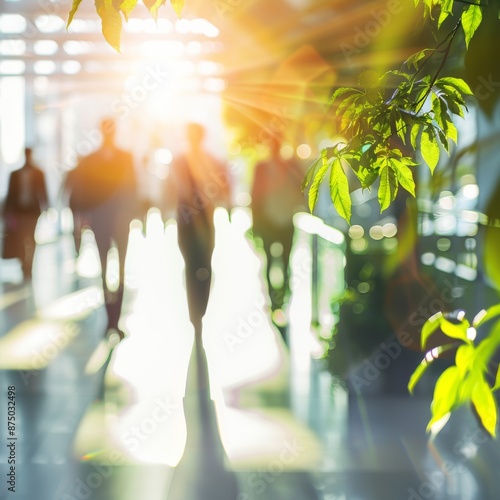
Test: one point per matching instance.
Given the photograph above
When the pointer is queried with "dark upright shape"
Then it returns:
(26, 199)
(103, 194)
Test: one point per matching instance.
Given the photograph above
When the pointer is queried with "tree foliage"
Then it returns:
(386, 119)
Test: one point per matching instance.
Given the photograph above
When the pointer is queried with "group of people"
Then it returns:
(102, 194)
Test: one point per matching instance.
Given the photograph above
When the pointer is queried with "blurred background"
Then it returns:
(308, 400)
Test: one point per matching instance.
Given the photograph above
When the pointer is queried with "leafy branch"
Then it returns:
(378, 129)
(466, 381)
(111, 12)
(381, 135)
(470, 18)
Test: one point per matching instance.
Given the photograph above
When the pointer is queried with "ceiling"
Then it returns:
(267, 58)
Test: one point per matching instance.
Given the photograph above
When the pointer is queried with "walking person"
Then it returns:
(26, 200)
(103, 195)
(201, 183)
(276, 197)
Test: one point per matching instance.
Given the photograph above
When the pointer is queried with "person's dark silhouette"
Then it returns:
(201, 183)
(103, 193)
(26, 199)
(276, 196)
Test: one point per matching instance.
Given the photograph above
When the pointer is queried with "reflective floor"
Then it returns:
(131, 421)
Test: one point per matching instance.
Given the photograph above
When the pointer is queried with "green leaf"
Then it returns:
(341, 91)
(72, 12)
(111, 22)
(456, 83)
(401, 129)
(346, 103)
(465, 389)
(453, 98)
(455, 331)
(443, 140)
(388, 188)
(484, 402)
(430, 326)
(464, 358)
(178, 5)
(487, 347)
(415, 58)
(339, 190)
(446, 10)
(415, 129)
(471, 19)
(485, 315)
(311, 171)
(367, 177)
(429, 148)
(318, 179)
(445, 394)
(417, 374)
(404, 175)
(430, 357)
(451, 131)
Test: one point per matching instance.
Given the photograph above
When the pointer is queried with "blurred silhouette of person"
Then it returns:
(103, 195)
(25, 201)
(276, 197)
(201, 183)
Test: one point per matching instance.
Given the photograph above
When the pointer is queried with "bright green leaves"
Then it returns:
(430, 326)
(331, 158)
(464, 358)
(465, 382)
(446, 10)
(430, 357)
(484, 403)
(388, 187)
(386, 115)
(339, 190)
(417, 374)
(485, 315)
(111, 11)
(394, 171)
(318, 179)
(429, 147)
(414, 59)
(457, 83)
(471, 19)
(404, 174)
(445, 395)
(454, 330)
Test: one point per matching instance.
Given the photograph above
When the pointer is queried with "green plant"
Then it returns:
(466, 381)
(386, 119)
